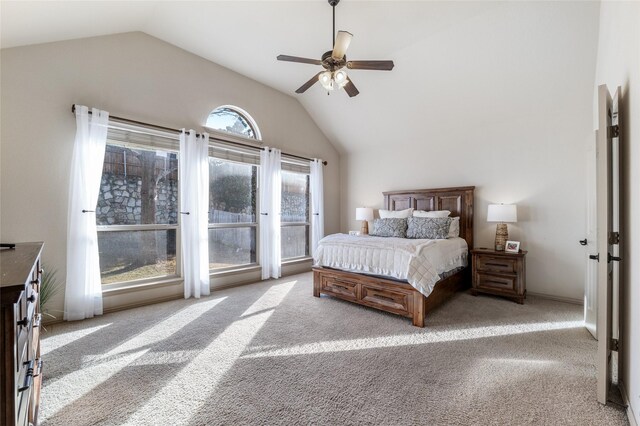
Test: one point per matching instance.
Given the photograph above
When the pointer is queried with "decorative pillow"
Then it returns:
(454, 228)
(432, 228)
(388, 214)
(390, 227)
(432, 213)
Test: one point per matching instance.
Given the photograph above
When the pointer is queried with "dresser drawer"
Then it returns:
(496, 264)
(498, 282)
(389, 300)
(340, 286)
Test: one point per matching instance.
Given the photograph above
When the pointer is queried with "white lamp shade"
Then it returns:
(364, 213)
(502, 213)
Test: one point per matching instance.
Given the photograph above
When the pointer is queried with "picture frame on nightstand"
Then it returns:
(512, 247)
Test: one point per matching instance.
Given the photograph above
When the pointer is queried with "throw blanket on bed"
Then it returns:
(419, 262)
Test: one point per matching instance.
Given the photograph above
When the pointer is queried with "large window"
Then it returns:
(295, 215)
(232, 213)
(137, 213)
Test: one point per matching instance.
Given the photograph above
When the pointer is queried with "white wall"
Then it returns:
(619, 65)
(502, 101)
(130, 75)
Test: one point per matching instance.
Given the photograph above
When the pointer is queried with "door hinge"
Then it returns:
(615, 345)
(613, 258)
(595, 257)
(614, 131)
(614, 238)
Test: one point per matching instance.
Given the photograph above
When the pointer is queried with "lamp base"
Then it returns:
(502, 235)
(364, 229)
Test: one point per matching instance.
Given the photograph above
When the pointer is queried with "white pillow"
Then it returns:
(433, 213)
(395, 214)
(454, 227)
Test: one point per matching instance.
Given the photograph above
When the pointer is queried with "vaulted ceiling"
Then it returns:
(474, 61)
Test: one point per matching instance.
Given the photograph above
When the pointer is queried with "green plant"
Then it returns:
(49, 287)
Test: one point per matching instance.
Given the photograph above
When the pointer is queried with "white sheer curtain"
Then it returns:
(317, 203)
(270, 189)
(83, 294)
(194, 217)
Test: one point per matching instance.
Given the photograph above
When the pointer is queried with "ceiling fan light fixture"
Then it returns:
(326, 80)
(340, 77)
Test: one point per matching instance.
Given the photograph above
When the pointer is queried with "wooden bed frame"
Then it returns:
(400, 297)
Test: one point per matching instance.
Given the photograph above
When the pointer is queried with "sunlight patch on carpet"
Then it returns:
(57, 341)
(185, 390)
(97, 369)
(415, 339)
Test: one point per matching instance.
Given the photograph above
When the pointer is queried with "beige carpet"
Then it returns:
(270, 353)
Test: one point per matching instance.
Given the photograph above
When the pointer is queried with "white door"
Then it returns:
(607, 197)
(615, 223)
(590, 244)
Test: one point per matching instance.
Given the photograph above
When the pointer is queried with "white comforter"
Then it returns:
(420, 262)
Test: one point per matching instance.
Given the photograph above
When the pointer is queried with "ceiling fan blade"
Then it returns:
(342, 43)
(351, 89)
(370, 65)
(299, 59)
(309, 83)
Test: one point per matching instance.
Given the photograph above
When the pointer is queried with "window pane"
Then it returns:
(232, 192)
(231, 121)
(134, 255)
(138, 186)
(295, 241)
(231, 246)
(295, 197)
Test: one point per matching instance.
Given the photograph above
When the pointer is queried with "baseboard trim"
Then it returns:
(630, 414)
(146, 302)
(556, 298)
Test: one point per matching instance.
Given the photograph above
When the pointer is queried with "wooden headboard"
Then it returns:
(459, 201)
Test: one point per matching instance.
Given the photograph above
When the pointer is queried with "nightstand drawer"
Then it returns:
(496, 264)
(491, 281)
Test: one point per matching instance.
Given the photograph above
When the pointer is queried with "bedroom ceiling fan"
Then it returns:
(334, 62)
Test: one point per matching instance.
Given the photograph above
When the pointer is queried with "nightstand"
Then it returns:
(499, 273)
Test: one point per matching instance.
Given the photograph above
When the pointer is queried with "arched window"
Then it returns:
(231, 119)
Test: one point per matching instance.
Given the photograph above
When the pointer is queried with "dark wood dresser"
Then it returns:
(499, 273)
(20, 377)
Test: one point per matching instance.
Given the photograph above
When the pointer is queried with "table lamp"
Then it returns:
(364, 214)
(502, 213)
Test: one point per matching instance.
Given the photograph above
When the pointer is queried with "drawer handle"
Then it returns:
(345, 284)
(498, 264)
(28, 378)
(31, 298)
(496, 282)
(336, 285)
(379, 296)
(36, 281)
(25, 322)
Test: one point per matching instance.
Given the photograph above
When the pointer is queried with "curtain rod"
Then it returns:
(169, 129)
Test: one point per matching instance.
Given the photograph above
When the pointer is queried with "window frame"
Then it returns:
(255, 225)
(177, 276)
(307, 224)
(223, 134)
